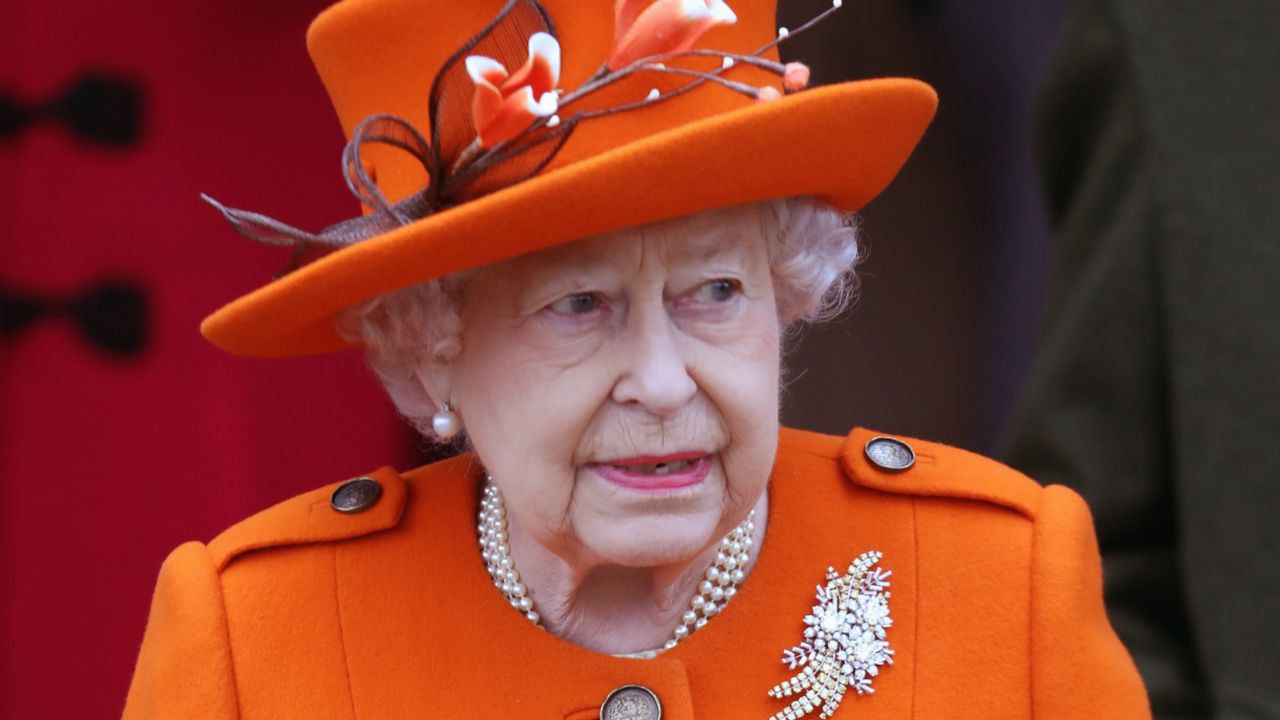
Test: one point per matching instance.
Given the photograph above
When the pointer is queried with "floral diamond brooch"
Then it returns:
(844, 641)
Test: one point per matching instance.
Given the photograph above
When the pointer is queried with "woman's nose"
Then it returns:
(655, 372)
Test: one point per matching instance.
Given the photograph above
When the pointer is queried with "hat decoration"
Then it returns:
(492, 126)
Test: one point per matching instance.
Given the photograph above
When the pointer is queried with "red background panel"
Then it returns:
(106, 462)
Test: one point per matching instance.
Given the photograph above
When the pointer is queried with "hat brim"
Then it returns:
(843, 143)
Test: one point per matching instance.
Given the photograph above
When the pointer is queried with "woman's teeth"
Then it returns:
(658, 468)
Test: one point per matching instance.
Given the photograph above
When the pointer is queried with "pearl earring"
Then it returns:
(445, 422)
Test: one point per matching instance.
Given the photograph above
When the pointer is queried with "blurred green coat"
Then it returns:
(1156, 390)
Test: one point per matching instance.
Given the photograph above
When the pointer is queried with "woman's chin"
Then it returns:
(649, 541)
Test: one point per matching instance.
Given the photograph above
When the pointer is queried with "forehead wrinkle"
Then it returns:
(618, 252)
(695, 242)
(691, 240)
(707, 238)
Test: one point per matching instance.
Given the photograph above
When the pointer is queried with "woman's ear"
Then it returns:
(435, 377)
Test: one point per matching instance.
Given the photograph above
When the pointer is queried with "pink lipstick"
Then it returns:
(656, 472)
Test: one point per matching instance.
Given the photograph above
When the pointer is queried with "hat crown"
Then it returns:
(381, 56)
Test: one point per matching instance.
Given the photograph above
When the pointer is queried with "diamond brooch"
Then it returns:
(844, 641)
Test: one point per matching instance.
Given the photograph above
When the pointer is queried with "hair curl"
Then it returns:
(813, 251)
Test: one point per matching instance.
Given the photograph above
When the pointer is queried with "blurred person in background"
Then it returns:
(1156, 390)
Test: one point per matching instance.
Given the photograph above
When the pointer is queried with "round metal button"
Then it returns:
(890, 454)
(353, 496)
(631, 702)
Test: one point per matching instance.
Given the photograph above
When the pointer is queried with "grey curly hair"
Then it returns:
(813, 250)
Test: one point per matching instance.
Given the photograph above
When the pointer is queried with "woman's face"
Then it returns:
(623, 390)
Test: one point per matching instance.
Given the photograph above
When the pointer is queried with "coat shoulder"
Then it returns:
(352, 508)
(903, 465)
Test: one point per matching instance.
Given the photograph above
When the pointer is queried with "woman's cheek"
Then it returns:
(745, 324)
(564, 341)
(713, 322)
(748, 392)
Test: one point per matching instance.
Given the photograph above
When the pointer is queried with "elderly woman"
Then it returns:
(589, 275)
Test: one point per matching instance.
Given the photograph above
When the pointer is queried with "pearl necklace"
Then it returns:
(719, 584)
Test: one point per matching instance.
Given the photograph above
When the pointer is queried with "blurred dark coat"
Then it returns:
(1156, 391)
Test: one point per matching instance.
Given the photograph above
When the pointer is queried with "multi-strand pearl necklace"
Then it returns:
(718, 586)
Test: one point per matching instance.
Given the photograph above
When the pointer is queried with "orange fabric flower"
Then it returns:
(665, 26)
(795, 77)
(505, 105)
(768, 93)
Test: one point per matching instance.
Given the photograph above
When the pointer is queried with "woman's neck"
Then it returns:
(613, 609)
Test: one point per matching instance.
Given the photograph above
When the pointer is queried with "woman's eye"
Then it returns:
(576, 304)
(717, 291)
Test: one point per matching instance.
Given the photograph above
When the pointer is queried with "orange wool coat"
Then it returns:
(302, 612)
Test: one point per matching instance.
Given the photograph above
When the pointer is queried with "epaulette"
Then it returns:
(374, 502)
(340, 511)
(908, 466)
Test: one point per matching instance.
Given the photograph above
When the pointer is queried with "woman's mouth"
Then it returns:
(656, 472)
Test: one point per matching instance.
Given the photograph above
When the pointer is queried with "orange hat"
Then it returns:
(638, 128)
